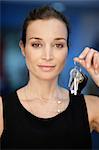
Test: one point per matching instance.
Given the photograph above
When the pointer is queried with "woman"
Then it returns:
(42, 114)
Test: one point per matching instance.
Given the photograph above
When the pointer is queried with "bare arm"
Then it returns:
(89, 59)
(92, 103)
(1, 117)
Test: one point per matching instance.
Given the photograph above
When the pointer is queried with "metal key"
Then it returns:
(71, 80)
(77, 79)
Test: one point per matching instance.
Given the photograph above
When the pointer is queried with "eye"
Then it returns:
(59, 45)
(36, 45)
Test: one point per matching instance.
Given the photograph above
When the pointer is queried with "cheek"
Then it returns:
(62, 57)
(61, 61)
(30, 59)
(31, 55)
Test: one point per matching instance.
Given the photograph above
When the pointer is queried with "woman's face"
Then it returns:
(46, 48)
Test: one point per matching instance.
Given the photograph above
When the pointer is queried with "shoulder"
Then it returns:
(1, 116)
(4, 100)
(91, 99)
(92, 103)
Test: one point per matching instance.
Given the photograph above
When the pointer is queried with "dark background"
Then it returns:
(83, 16)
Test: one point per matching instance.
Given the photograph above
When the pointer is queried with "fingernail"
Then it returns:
(86, 47)
(74, 59)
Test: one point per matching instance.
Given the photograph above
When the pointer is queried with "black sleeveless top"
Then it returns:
(69, 129)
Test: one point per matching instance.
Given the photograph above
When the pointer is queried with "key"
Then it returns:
(72, 75)
(75, 82)
(82, 83)
(72, 80)
(77, 79)
(75, 85)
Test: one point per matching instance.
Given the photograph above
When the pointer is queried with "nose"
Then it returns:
(47, 53)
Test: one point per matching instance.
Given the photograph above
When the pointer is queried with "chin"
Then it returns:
(47, 76)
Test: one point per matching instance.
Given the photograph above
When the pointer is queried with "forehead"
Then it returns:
(47, 28)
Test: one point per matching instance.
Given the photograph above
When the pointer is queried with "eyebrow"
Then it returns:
(36, 38)
(60, 38)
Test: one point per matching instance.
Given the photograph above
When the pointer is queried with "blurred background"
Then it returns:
(83, 16)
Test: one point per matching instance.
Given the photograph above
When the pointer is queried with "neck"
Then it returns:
(41, 88)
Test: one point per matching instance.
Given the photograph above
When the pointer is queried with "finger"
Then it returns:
(89, 58)
(96, 59)
(84, 53)
(96, 62)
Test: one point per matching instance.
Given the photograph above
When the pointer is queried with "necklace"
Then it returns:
(59, 96)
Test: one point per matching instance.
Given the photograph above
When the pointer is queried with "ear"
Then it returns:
(21, 45)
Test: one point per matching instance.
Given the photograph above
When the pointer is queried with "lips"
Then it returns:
(45, 67)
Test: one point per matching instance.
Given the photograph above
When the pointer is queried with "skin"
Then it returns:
(46, 45)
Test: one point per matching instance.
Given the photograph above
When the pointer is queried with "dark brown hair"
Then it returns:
(45, 12)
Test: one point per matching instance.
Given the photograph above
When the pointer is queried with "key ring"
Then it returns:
(77, 66)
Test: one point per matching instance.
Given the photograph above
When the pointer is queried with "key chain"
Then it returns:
(77, 80)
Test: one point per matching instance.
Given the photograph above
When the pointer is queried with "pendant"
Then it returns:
(58, 110)
(59, 101)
